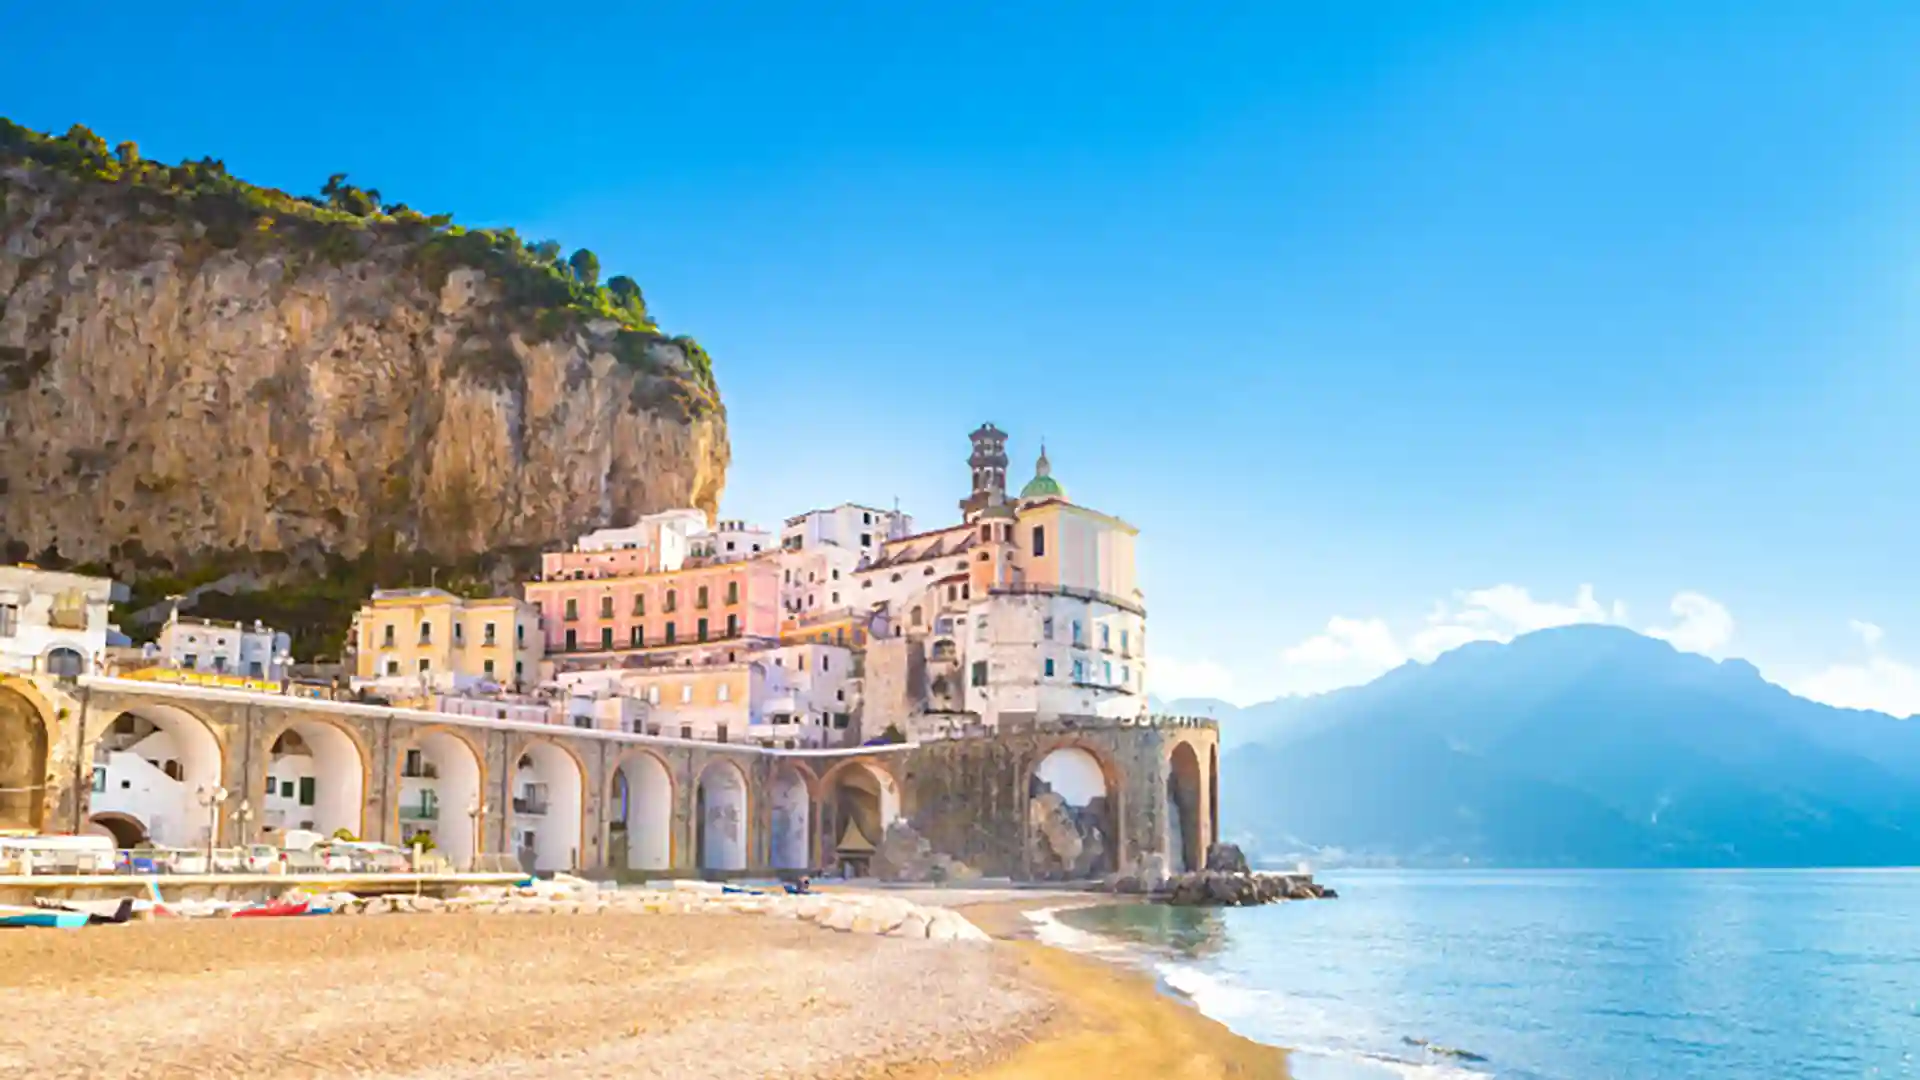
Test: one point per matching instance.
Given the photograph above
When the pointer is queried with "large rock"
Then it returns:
(1211, 887)
(188, 381)
(1227, 859)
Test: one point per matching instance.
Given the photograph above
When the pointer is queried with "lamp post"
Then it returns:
(477, 811)
(211, 798)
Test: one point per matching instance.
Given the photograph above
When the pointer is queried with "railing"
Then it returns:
(263, 859)
(420, 812)
(534, 807)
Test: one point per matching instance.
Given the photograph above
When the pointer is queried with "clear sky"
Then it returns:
(1354, 314)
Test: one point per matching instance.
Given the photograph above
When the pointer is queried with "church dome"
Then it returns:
(1043, 485)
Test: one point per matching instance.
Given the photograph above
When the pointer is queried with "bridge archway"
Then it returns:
(316, 780)
(548, 800)
(156, 765)
(721, 817)
(790, 811)
(1073, 815)
(642, 802)
(860, 799)
(441, 778)
(23, 762)
(1185, 844)
(126, 831)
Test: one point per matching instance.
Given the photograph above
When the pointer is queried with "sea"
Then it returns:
(1455, 975)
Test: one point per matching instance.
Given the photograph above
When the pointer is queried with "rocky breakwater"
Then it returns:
(197, 373)
(1227, 881)
(854, 913)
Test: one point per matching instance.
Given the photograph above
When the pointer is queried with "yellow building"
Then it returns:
(432, 639)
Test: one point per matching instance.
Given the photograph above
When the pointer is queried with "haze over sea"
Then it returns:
(1555, 975)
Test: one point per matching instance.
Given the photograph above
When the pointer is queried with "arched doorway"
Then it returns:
(790, 807)
(1071, 833)
(1213, 796)
(316, 781)
(547, 803)
(440, 785)
(720, 817)
(158, 765)
(127, 832)
(1184, 843)
(23, 762)
(860, 800)
(66, 663)
(643, 812)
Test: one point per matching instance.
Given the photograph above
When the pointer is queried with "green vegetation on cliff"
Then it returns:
(343, 222)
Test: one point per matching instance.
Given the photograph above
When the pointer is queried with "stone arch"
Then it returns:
(640, 795)
(441, 777)
(548, 808)
(1185, 839)
(1213, 795)
(1073, 812)
(64, 661)
(127, 831)
(790, 796)
(24, 731)
(859, 800)
(722, 817)
(319, 771)
(159, 765)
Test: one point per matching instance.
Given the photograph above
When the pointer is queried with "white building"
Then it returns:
(859, 529)
(819, 579)
(732, 541)
(224, 648)
(54, 622)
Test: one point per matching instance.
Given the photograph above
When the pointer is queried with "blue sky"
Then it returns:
(1352, 313)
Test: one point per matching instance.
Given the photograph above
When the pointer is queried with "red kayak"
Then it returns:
(277, 907)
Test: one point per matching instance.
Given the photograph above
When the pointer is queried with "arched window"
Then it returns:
(66, 663)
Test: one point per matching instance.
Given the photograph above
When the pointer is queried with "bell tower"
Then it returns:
(989, 465)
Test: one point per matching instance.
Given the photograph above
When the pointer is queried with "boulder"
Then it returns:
(1227, 859)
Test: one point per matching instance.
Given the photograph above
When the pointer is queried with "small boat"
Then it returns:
(26, 916)
(105, 912)
(273, 909)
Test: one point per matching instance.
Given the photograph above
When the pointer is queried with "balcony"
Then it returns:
(531, 806)
(420, 812)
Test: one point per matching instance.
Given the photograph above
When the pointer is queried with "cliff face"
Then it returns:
(177, 386)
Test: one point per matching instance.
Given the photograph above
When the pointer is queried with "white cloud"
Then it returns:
(1354, 650)
(1705, 624)
(1172, 678)
(1877, 682)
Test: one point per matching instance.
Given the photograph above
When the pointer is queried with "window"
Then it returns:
(286, 789)
(836, 575)
(1076, 633)
(486, 668)
(426, 633)
(671, 597)
(1006, 533)
(895, 577)
(986, 533)
(725, 692)
(700, 630)
(1039, 540)
(866, 539)
(1123, 643)
(913, 617)
(487, 634)
(700, 597)
(824, 665)
(686, 694)
(669, 633)
(519, 634)
(979, 673)
(984, 556)
(1046, 628)
(833, 598)
(100, 778)
(191, 660)
(393, 667)
(686, 731)
(573, 610)
(426, 666)
(572, 640)
(653, 695)
(519, 669)
(254, 670)
(1079, 671)
(606, 607)
(720, 732)
(1106, 672)
(307, 791)
(1048, 669)
(866, 518)
(980, 628)
(733, 625)
(733, 592)
(10, 623)
(639, 636)
(606, 637)
(458, 636)
(1126, 675)
(1106, 638)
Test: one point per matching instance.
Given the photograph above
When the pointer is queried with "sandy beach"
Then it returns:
(684, 996)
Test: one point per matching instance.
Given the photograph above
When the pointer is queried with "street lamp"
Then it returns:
(211, 798)
(476, 810)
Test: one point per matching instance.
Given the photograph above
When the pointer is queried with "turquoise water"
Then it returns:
(1658, 975)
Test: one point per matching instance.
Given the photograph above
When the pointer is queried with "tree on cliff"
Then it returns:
(626, 293)
(586, 267)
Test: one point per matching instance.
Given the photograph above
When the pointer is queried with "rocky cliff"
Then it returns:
(193, 369)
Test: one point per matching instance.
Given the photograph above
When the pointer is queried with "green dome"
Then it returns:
(1043, 485)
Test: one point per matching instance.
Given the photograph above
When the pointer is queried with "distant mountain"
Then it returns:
(1579, 746)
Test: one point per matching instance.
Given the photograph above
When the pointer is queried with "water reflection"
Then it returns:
(1189, 931)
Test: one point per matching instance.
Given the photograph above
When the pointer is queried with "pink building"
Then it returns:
(603, 607)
